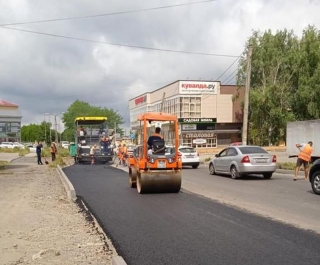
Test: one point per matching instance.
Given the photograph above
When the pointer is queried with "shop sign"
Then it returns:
(200, 135)
(140, 100)
(199, 141)
(193, 87)
(197, 120)
(189, 127)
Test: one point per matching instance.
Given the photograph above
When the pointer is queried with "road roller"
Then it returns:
(155, 166)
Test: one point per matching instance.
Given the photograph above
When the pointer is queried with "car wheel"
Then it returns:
(212, 171)
(195, 166)
(315, 182)
(267, 175)
(234, 172)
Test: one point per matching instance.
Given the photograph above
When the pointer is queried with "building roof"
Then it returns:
(7, 104)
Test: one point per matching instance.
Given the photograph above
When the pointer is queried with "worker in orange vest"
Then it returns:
(304, 158)
(124, 154)
(120, 150)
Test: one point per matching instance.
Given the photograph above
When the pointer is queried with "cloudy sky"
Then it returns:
(94, 60)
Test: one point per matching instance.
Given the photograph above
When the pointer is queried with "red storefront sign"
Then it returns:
(140, 100)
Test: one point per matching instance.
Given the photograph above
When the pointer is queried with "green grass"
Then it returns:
(286, 165)
(2, 164)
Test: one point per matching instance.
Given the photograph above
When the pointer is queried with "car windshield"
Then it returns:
(252, 150)
(187, 150)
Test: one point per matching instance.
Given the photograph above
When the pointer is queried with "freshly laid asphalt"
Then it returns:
(185, 228)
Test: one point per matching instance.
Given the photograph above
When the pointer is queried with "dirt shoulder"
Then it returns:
(38, 225)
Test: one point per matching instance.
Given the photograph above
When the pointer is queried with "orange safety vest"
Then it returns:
(124, 149)
(305, 153)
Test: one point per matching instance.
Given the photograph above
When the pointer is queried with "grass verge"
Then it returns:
(2, 164)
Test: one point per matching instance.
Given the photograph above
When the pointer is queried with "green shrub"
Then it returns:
(207, 159)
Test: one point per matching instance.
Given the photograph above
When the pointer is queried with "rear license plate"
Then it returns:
(161, 164)
(261, 160)
(189, 156)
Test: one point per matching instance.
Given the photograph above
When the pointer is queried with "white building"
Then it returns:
(209, 113)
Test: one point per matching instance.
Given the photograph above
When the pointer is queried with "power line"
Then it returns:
(230, 75)
(229, 67)
(107, 14)
(118, 44)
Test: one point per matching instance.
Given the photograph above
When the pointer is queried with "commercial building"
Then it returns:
(209, 114)
(10, 122)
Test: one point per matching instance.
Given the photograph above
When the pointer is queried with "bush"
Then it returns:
(207, 159)
(2, 164)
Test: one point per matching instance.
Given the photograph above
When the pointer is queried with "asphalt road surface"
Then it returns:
(186, 228)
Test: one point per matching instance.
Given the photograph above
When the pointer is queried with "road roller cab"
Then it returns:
(151, 168)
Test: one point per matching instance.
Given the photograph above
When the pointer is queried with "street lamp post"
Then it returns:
(55, 125)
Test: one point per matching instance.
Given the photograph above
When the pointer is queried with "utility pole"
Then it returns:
(56, 129)
(246, 98)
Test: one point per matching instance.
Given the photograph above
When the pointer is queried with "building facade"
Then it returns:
(209, 113)
(10, 122)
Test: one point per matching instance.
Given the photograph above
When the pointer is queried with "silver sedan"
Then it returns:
(242, 160)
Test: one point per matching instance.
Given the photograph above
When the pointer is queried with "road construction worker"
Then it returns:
(304, 158)
(120, 151)
(105, 144)
(154, 136)
(124, 154)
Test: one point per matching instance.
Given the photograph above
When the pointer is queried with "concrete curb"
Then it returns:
(118, 260)
(71, 193)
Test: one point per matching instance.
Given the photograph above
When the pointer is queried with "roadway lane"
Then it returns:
(279, 197)
(185, 228)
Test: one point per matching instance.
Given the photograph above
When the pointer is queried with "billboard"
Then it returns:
(197, 87)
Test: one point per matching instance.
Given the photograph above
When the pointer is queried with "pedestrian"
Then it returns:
(39, 151)
(53, 151)
(304, 158)
(92, 151)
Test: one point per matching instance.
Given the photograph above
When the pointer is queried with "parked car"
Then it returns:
(7, 145)
(314, 177)
(65, 144)
(241, 160)
(19, 145)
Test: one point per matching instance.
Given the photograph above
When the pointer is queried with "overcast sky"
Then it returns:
(42, 73)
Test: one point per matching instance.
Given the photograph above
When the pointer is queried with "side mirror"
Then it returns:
(216, 155)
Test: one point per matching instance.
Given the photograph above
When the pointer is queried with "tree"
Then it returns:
(36, 132)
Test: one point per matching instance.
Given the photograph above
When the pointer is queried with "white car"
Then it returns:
(65, 144)
(189, 155)
(19, 145)
(7, 145)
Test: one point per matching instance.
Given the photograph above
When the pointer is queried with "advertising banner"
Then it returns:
(197, 87)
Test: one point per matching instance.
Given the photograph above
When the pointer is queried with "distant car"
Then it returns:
(189, 155)
(314, 177)
(65, 144)
(19, 145)
(243, 160)
(7, 145)
(130, 149)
